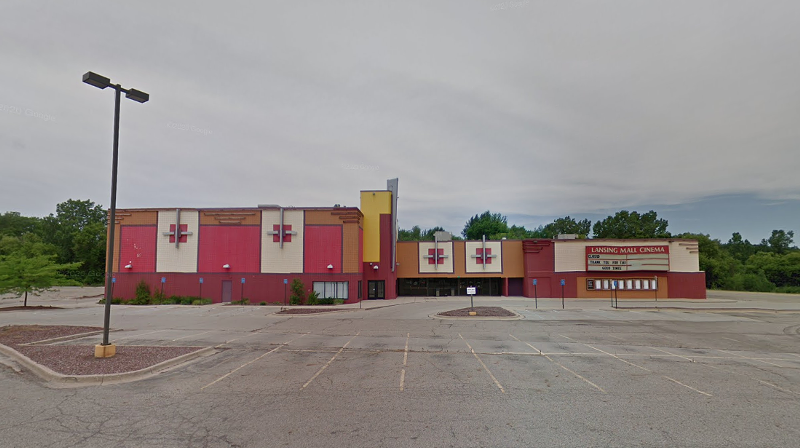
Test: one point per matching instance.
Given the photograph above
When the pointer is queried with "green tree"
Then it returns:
(21, 275)
(739, 248)
(779, 269)
(715, 261)
(78, 230)
(780, 241)
(567, 225)
(14, 224)
(487, 223)
(626, 225)
(297, 295)
(89, 247)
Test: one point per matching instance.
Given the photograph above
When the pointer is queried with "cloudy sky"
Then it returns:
(532, 108)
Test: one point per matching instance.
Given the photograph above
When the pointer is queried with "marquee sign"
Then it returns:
(627, 258)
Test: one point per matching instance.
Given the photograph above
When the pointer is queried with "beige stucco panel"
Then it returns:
(473, 267)
(182, 258)
(445, 268)
(290, 258)
(570, 255)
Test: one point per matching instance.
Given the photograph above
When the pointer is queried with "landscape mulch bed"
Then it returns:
(30, 308)
(304, 311)
(484, 311)
(79, 359)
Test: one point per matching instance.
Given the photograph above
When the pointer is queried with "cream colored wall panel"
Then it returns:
(571, 255)
(493, 266)
(446, 258)
(684, 256)
(182, 258)
(290, 258)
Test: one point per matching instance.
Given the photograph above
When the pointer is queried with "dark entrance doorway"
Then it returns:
(444, 286)
(375, 289)
(227, 287)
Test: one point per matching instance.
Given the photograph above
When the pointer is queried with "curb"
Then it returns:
(516, 316)
(49, 375)
(710, 310)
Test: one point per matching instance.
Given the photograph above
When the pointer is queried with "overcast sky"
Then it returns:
(534, 109)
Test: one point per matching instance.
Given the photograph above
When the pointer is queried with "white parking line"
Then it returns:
(689, 387)
(248, 363)
(484, 365)
(747, 357)
(617, 357)
(561, 365)
(191, 335)
(329, 362)
(405, 362)
(139, 334)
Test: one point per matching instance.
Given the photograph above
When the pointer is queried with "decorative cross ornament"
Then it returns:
(178, 232)
(280, 231)
(484, 256)
(435, 256)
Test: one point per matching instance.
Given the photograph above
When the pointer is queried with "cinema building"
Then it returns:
(350, 253)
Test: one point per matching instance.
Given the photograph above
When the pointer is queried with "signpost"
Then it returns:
(535, 294)
(201, 288)
(562, 293)
(163, 280)
(616, 297)
(285, 282)
(655, 290)
(470, 293)
(241, 296)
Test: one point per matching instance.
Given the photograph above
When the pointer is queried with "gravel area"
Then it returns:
(305, 311)
(485, 311)
(79, 359)
(30, 308)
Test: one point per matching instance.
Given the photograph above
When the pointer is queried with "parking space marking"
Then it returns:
(561, 365)
(248, 363)
(140, 334)
(775, 386)
(191, 335)
(484, 365)
(731, 339)
(747, 357)
(405, 363)
(689, 387)
(617, 357)
(329, 362)
(673, 354)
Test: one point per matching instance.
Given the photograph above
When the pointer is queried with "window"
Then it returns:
(331, 290)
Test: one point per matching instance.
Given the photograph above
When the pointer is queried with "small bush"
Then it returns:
(338, 301)
(782, 289)
(298, 292)
(313, 298)
(198, 301)
(244, 301)
(142, 292)
(263, 304)
(326, 301)
(114, 301)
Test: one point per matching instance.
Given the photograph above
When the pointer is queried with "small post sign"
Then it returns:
(471, 292)
(201, 288)
(163, 280)
(535, 294)
(562, 293)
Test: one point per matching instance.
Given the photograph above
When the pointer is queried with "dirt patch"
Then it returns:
(304, 311)
(79, 359)
(13, 335)
(29, 308)
(483, 311)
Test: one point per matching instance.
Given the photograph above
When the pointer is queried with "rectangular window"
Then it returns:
(645, 284)
(589, 284)
(628, 284)
(331, 290)
(638, 284)
(605, 284)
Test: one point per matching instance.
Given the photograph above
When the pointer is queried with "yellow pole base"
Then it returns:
(105, 351)
(473, 313)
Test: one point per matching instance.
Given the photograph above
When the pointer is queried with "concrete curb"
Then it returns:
(710, 310)
(51, 376)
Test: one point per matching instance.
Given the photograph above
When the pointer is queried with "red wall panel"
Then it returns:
(137, 247)
(323, 246)
(237, 246)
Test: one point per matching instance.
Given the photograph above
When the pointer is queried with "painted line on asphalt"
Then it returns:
(329, 362)
(617, 357)
(687, 386)
(567, 337)
(484, 365)
(673, 354)
(731, 339)
(561, 365)
(405, 363)
(248, 363)
(747, 357)
(775, 386)
(191, 335)
(139, 334)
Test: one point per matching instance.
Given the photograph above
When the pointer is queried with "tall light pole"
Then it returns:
(101, 82)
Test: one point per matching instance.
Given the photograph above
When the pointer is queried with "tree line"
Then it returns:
(773, 265)
(65, 248)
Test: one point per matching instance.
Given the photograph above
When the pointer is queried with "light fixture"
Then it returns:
(226, 266)
(375, 267)
(330, 266)
(129, 265)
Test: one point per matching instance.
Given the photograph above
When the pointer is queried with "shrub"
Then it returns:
(198, 301)
(142, 292)
(325, 301)
(338, 301)
(298, 292)
(313, 298)
(263, 304)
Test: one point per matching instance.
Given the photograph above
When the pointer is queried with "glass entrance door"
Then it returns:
(375, 289)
